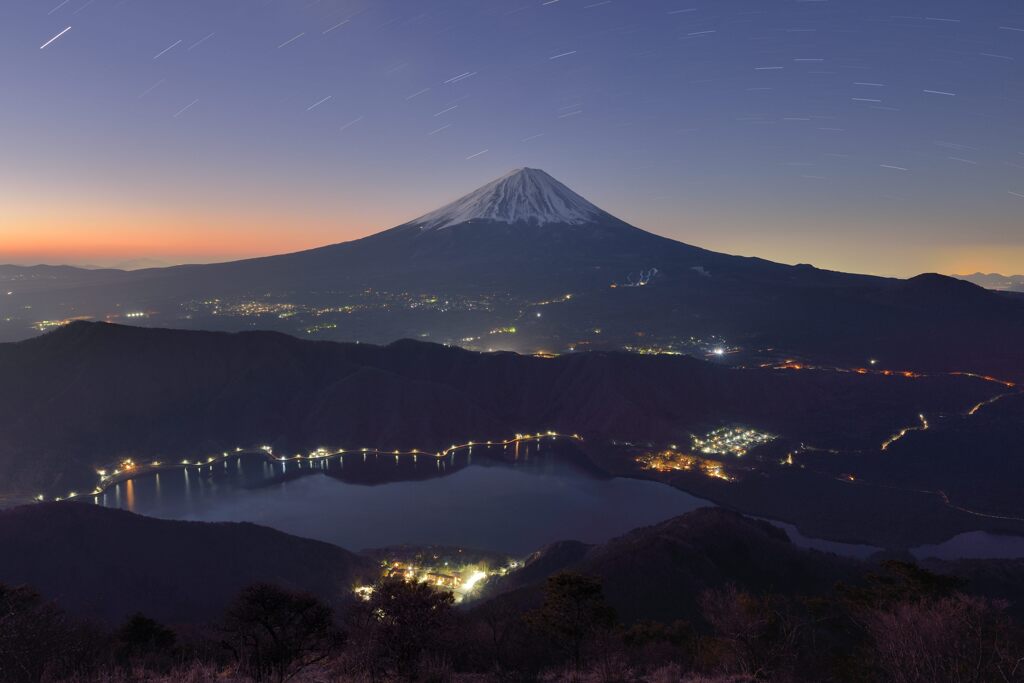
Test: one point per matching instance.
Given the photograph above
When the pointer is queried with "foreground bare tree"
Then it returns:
(574, 613)
(759, 636)
(143, 642)
(31, 634)
(275, 634)
(960, 639)
(403, 623)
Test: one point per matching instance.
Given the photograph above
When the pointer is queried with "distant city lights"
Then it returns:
(675, 461)
(735, 441)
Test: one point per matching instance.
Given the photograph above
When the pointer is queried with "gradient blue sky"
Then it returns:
(867, 135)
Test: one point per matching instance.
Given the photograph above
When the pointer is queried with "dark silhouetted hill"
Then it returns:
(90, 393)
(107, 563)
(659, 572)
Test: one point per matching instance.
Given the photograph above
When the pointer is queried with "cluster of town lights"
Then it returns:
(731, 441)
(461, 580)
(676, 461)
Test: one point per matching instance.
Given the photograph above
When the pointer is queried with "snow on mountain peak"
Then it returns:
(525, 195)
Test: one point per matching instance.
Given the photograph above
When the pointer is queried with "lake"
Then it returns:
(490, 500)
(359, 502)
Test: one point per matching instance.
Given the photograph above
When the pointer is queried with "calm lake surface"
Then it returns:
(474, 501)
(974, 545)
(482, 500)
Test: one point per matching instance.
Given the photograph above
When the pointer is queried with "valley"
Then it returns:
(784, 441)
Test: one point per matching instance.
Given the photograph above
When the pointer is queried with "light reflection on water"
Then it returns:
(516, 505)
(369, 501)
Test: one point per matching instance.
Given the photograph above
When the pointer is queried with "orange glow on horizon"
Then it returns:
(101, 238)
(105, 230)
(89, 225)
(1003, 259)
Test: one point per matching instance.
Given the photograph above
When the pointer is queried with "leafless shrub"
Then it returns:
(960, 639)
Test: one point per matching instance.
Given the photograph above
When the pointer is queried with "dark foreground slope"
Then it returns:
(107, 563)
(90, 393)
(732, 596)
(659, 572)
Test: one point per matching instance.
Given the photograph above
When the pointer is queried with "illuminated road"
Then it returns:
(909, 374)
(942, 495)
(128, 469)
(990, 401)
(923, 427)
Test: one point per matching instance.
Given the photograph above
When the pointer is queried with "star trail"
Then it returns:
(882, 137)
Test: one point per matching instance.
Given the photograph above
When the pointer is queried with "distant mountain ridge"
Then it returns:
(490, 260)
(1007, 283)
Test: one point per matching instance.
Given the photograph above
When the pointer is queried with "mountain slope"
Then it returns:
(108, 564)
(524, 234)
(659, 572)
(489, 261)
(87, 394)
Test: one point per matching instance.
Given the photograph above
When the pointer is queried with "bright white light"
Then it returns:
(718, 351)
(469, 584)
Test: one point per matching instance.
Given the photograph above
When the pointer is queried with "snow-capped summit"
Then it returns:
(525, 195)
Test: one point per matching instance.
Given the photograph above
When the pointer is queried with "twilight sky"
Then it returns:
(881, 136)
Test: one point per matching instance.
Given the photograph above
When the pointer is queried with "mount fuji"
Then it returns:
(524, 234)
(487, 270)
(526, 195)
